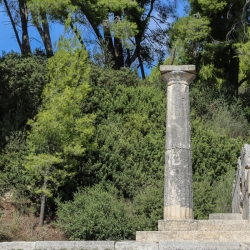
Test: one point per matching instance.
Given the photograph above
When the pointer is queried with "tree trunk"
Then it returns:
(234, 72)
(109, 44)
(24, 22)
(43, 201)
(130, 59)
(118, 48)
(141, 67)
(44, 33)
(119, 58)
(47, 39)
(13, 24)
(138, 48)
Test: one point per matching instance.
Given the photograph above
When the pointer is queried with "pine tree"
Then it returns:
(60, 132)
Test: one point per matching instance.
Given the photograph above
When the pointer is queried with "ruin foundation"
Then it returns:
(221, 231)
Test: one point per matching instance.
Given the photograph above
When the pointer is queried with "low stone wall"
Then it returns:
(122, 245)
(241, 188)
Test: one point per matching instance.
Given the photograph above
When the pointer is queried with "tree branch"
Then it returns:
(241, 81)
(74, 29)
(129, 60)
(94, 27)
(13, 24)
(150, 10)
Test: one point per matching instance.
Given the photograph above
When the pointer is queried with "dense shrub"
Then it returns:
(96, 214)
(130, 132)
(22, 81)
(214, 154)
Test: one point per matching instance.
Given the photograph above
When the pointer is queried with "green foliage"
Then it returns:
(209, 6)
(203, 201)
(244, 72)
(11, 158)
(22, 80)
(106, 139)
(96, 214)
(130, 130)
(222, 193)
(59, 132)
(121, 26)
(228, 118)
(186, 35)
(123, 29)
(209, 38)
(214, 154)
(191, 29)
(100, 213)
(148, 207)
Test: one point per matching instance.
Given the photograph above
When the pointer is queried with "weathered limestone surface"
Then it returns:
(204, 225)
(241, 189)
(200, 236)
(134, 245)
(178, 194)
(69, 245)
(194, 245)
(236, 216)
(125, 245)
(169, 68)
(18, 245)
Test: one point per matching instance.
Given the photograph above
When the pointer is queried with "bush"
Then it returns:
(22, 81)
(228, 118)
(222, 193)
(130, 132)
(148, 207)
(96, 214)
(214, 154)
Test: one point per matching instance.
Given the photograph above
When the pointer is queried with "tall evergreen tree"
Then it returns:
(60, 133)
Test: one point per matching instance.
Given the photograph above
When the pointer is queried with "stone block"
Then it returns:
(17, 245)
(234, 216)
(201, 236)
(133, 245)
(241, 187)
(194, 245)
(75, 245)
(243, 237)
(177, 225)
(245, 246)
(204, 225)
(176, 236)
(169, 68)
(223, 225)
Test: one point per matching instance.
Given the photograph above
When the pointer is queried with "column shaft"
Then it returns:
(178, 193)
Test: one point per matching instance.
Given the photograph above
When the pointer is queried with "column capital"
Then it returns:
(178, 74)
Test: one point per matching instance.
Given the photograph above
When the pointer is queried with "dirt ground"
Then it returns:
(23, 226)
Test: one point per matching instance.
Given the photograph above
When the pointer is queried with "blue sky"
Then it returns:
(8, 41)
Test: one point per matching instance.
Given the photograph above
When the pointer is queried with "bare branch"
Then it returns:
(154, 19)
(13, 24)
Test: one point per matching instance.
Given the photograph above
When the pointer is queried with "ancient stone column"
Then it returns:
(178, 192)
